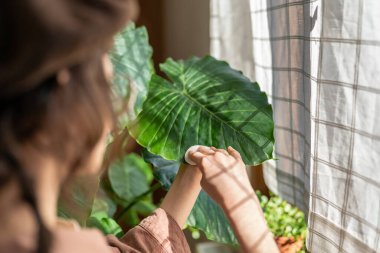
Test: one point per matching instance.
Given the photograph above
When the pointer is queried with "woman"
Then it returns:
(55, 113)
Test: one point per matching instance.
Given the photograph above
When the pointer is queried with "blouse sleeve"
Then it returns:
(158, 232)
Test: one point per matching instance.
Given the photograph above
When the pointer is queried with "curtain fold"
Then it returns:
(319, 63)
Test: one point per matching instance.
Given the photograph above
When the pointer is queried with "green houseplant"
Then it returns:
(203, 101)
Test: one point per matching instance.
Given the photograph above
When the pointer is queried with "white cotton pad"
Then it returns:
(191, 149)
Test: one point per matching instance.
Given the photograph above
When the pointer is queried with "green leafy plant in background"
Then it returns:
(203, 101)
(283, 219)
(125, 195)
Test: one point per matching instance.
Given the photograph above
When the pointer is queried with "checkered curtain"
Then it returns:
(319, 62)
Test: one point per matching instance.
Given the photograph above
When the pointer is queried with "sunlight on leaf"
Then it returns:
(132, 66)
(206, 103)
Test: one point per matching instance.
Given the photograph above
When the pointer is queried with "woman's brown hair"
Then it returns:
(53, 92)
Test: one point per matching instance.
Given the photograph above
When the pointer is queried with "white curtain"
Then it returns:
(319, 62)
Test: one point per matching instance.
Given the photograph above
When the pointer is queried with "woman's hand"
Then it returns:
(225, 176)
(225, 179)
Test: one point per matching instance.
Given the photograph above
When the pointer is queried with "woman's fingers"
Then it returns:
(195, 157)
(196, 153)
(205, 150)
(219, 150)
(234, 153)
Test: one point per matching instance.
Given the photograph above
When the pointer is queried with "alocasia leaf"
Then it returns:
(206, 215)
(130, 177)
(209, 217)
(164, 170)
(205, 103)
(132, 66)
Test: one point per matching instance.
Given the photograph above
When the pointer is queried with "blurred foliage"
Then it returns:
(131, 58)
(282, 218)
(125, 195)
(77, 197)
(101, 218)
(130, 177)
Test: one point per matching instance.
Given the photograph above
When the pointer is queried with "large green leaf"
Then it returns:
(130, 177)
(164, 170)
(131, 58)
(217, 228)
(209, 217)
(206, 103)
